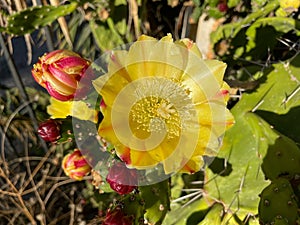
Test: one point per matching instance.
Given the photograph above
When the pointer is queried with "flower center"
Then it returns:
(162, 105)
(165, 110)
(154, 114)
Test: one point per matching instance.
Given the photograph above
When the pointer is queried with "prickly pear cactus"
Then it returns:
(278, 204)
(149, 203)
(33, 18)
(230, 30)
(134, 205)
(282, 159)
(280, 221)
(157, 201)
(258, 143)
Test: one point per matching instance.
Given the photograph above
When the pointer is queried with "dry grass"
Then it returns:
(34, 189)
(33, 186)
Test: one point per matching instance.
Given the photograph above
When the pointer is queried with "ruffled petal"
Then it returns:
(109, 86)
(193, 165)
(190, 45)
(56, 94)
(59, 109)
(106, 129)
(202, 78)
(78, 109)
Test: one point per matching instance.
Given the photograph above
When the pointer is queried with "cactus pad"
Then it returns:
(277, 204)
(282, 159)
(33, 18)
(157, 202)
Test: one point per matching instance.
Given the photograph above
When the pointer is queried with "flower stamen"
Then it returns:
(165, 110)
(162, 105)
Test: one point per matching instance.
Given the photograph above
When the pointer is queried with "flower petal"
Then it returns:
(78, 109)
(109, 86)
(58, 86)
(193, 165)
(52, 91)
(213, 113)
(53, 56)
(217, 68)
(106, 130)
(141, 160)
(72, 64)
(59, 109)
(81, 111)
(62, 76)
(190, 45)
(202, 77)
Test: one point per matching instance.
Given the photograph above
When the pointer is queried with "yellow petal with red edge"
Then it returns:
(193, 165)
(202, 78)
(134, 158)
(217, 69)
(190, 45)
(225, 91)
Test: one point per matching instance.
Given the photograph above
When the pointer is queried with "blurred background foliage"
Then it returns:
(255, 178)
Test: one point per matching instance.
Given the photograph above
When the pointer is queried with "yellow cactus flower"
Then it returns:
(164, 104)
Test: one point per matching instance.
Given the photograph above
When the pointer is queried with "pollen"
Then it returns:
(162, 105)
(165, 110)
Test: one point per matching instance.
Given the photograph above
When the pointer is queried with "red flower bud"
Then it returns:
(49, 130)
(117, 217)
(222, 6)
(75, 165)
(60, 73)
(121, 179)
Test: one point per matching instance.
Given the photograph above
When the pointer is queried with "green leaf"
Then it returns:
(280, 91)
(280, 24)
(249, 140)
(215, 13)
(33, 18)
(229, 31)
(282, 159)
(278, 201)
(133, 205)
(212, 3)
(213, 216)
(284, 123)
(65, 131)
(177, 185)
(258, 3)
(181, 215)
(105, 35)
(233, 3)
(157, 201)
(244, 152)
